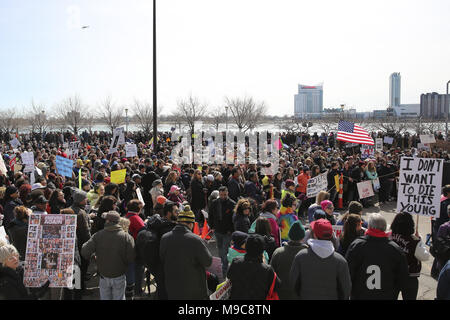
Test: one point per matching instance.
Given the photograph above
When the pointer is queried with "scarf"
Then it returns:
(376, 233)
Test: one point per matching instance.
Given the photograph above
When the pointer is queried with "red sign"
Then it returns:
(308, 87)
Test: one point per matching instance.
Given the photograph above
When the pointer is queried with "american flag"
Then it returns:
(350, 132)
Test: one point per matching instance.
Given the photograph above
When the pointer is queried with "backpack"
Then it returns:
(147, 243)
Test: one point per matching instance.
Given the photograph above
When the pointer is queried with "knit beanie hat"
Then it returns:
(239, 238)
(297, 232)
(78, 196)
(325, 204)
(186, 215)
(254, 245)
(112, 216)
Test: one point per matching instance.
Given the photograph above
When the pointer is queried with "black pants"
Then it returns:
(160, 285)
(411, 289)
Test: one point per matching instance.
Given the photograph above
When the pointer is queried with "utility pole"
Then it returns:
(447, 99)
(155, 100)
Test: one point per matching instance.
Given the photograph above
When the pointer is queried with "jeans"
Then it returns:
(135, 276)
(112, 288)
(223, 243)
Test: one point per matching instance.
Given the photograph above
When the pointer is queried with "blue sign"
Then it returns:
(64, 166)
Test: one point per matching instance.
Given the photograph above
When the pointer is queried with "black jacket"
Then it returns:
(221, 215)
(250, 278)
(378, 268)
(18, 231)
(11, 285)
(234, 189)
(241, 222)
(198, 196)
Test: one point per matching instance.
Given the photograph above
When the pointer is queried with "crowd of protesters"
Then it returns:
(270, 236)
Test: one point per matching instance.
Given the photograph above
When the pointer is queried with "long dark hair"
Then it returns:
(403, 224)
(263, 226)
(349, 233)
(106, 204)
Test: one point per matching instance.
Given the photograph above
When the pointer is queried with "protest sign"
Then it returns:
(2, 165)
(118, 139)
(118, 176)
(14, 143)
(388, 140)
(50, 250)
(17, 168)
(365, 189)
(316, 184)
(27, 158)
(379, 144)
(75, 145)
(420, 182)
(64, 166)
(423, 146)
(223, 293)
(376, 184)
(3, 234)
(131, 150)
(427, 138)
(139, 195)
(367, 151)
(28, 168)
(337, 230)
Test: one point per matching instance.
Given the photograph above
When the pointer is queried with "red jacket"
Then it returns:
(136, 223)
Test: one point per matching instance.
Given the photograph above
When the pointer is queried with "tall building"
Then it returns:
(394, 89)
(308, 101)
(434, 105)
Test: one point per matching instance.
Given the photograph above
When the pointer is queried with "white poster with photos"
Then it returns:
(50, 250)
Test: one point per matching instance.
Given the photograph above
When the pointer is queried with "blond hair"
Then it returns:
(322, 195)
(124, 223)
(6, 251)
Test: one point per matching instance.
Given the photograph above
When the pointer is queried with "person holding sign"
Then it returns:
(408, 239)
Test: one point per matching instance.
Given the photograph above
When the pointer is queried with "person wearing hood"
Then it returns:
(40, 205)
(114, 251)
(157, 190)
(251, 278)
(18, 230)
(11, 200)
(282, 258)
(378, 266)
(318, 272)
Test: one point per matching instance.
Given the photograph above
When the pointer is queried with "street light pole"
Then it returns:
(155, 111)
(126, 119)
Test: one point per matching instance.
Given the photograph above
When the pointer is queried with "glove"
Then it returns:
(40, 292)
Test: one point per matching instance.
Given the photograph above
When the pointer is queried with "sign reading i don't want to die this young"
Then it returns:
(420, 183)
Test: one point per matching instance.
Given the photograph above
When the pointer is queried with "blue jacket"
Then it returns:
(443, 286)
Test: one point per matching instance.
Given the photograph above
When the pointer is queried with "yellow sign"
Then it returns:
(336, 181)
(118, 176)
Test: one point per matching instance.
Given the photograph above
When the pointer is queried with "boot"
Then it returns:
(129, 292)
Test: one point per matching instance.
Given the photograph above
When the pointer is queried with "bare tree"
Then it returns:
(217, 117)
(8, 120)
(391, 126)
(246, 112)
(72, 112)
(328, 125)
(90, 121)
(143, 111)
(190, 111)
(37, 118)
(111, 114)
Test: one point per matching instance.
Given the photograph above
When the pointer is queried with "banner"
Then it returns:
(388, 140)
(118, 176)
(27, 158)
(316, 184)
(420, 183)
(50, 250)
(379, 144)
(423, 146)
(131, 150)
(64, 166)
(365, 189)
(427, 138)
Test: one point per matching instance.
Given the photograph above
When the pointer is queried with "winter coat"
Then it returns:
(198, 196)
(136, 223)
(113, 248)
(8, 211)
(319, 273)
(286, 217)
(414, 250)
(234, 189)
(378, 268)
(311, 210)
(234, 253)
(221, 215)
(251, 279)
(281, 263)
(155, 192)
(18, 232)
(11, 285)
(83, 229)
(443, 286)
(181, 247)
(275, 229)
(241, 222)
(93, 198)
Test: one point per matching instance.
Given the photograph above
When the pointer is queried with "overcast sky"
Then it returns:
(217, 48)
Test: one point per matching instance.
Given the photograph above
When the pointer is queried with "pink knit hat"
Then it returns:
(325, 204)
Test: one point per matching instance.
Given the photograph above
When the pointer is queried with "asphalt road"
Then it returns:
(427, 285)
